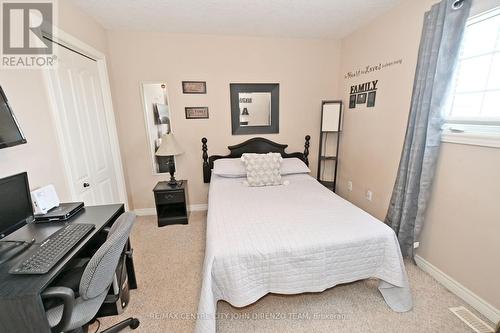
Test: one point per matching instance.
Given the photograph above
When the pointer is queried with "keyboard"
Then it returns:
(53, 249)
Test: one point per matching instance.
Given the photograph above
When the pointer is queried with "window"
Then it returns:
(475, 104)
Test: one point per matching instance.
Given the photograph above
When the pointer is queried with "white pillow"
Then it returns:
(263, 169)
(230, 168)
(293, 165)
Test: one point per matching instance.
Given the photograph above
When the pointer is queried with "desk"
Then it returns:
(21, 307)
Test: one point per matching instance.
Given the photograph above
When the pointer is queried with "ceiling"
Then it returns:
(325, 19)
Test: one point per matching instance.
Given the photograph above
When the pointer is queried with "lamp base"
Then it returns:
(171, 166)
(173, 182)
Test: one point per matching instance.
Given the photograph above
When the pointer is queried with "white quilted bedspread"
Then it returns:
(291, 239)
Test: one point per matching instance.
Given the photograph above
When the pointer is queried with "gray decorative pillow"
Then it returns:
(263, 169)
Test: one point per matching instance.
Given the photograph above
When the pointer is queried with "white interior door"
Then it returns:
(78, 94)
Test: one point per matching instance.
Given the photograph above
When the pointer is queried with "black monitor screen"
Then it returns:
(15, 203)
(10, 133)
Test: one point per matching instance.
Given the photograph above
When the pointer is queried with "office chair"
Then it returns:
(76, 312)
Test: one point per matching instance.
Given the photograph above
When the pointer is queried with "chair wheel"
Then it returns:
(135, 323)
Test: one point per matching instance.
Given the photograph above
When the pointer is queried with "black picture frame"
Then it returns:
(361, 98)
(236, 89)
(352, 101)
(370, 100)
(191, 111)
(194, 87)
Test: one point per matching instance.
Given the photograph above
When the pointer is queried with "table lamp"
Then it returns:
(169, 147)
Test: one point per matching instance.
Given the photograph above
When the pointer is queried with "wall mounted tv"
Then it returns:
(10, 132)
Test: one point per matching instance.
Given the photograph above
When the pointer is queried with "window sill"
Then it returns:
(472, 138)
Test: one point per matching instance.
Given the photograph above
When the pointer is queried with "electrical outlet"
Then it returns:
(416, 245)
(349, 186)
(369, 195)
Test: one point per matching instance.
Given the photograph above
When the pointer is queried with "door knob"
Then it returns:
(86, 185)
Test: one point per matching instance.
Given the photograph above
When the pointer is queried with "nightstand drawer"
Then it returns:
(169, 197)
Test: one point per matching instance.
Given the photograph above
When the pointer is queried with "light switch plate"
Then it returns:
(349, 186)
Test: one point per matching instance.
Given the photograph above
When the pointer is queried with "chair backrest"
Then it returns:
(98, 275)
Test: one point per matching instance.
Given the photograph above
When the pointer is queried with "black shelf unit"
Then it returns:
(171, 203)
(331, 125)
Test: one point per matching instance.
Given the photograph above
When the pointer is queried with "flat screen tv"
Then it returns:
(10, 132)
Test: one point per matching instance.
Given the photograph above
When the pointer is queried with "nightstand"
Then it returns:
(171, 203)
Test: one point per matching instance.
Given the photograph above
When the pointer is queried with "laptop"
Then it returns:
(63, 212)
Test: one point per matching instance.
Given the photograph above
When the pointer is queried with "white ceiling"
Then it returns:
(273, 18)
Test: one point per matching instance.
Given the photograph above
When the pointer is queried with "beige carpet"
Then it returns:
(168, 265)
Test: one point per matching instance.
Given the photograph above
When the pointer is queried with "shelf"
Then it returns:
(172, 210)
(172, 214)
(173, 220)
(326, 183)
(328, 158)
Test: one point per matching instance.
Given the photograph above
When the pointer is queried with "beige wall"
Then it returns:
(307, 71)
(462, 230)
(460, 236)
(27, 95)
(75, 22)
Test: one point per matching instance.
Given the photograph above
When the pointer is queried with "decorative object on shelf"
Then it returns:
(170, 148)
(254, 108)
(363, 93)
(196, 112)
(158, 120)
(194, 87)
(171, 203)
(329, 141)
(244, 117)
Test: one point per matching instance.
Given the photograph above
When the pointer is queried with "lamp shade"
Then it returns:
(169, 146)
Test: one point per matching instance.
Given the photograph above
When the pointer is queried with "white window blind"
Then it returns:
(476, 98)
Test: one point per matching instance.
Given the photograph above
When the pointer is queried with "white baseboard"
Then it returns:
(483, 307)
(145, 211)
(197, 207)
(152, 211)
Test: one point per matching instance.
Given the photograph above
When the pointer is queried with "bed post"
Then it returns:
(206, 165)
(306, 149)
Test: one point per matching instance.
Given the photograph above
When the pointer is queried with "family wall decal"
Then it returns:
(366, 93)
(363, 93)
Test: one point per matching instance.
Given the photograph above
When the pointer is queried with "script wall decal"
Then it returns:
(371, 68)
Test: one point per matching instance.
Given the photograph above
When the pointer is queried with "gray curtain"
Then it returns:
(438, 55)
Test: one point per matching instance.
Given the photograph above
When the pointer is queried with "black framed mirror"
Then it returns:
(254, 108)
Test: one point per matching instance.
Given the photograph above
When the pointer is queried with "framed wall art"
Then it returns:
(196, 112)
(361, 98)
(194, 87)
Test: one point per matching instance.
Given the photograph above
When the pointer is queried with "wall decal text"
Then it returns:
(371, 68)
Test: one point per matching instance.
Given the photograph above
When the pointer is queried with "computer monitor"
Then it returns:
(15, 203)
(10, 132)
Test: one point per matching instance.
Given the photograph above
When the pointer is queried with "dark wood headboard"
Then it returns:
(253, 145)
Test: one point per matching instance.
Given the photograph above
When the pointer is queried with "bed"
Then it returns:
(289, 239)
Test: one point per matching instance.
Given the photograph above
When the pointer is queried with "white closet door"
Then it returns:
(77, 92)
